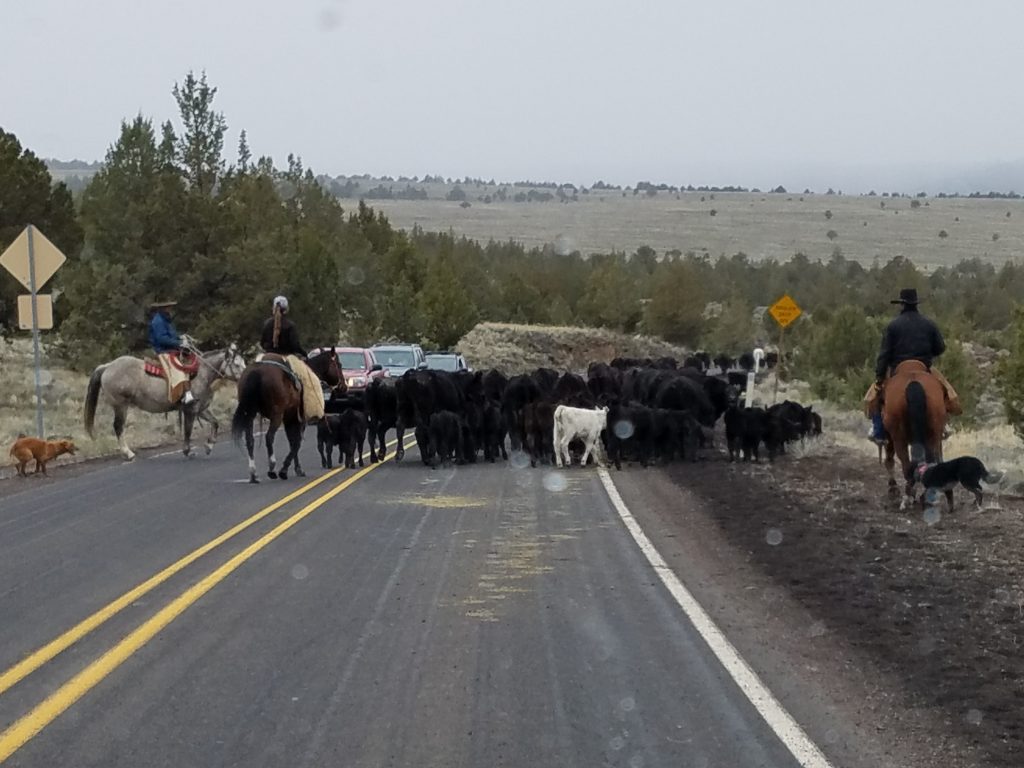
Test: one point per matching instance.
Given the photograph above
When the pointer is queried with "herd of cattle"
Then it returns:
(631, 409)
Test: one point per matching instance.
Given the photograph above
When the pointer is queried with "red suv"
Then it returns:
(359, 367)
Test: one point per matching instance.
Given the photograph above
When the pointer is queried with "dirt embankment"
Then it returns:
(518, 348)
(937, 606)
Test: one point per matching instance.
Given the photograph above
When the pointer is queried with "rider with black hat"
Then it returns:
(909, 336)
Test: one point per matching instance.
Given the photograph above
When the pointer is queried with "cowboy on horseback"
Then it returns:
(167, 345)
(280, 337)
(909, 336)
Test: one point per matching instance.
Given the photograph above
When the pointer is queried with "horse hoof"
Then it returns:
(299, 473)
(209, 450)
(253, 480)
(272, 475)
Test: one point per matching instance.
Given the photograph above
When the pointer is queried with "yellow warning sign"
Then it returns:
(32, 245)
(785, 311)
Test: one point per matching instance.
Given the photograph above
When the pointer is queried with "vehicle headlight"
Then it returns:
(356, 381)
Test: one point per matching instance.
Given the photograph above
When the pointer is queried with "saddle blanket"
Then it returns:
(189, 366)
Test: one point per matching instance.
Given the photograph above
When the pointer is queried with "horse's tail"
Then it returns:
(248, 405)
(92, 397)
(917, 415)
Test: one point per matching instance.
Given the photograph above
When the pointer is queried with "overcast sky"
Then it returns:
(757, 93)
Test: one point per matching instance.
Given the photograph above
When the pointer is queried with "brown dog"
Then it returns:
(27, 448)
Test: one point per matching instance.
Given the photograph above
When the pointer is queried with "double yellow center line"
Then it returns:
(17, 735)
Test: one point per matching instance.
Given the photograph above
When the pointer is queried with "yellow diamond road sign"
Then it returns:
(785, 311)
(48, 258)
(44, 312)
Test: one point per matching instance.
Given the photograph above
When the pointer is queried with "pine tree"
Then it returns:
(448, 311)
(27, 196)
(201, 145)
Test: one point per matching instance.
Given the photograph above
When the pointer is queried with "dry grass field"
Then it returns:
(760, 225)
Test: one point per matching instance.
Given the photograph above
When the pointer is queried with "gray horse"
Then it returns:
(124, 383)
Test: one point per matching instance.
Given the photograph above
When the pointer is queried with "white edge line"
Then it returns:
(779, 720)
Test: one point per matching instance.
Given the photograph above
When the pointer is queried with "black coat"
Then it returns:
(287, 340)
(909, 336)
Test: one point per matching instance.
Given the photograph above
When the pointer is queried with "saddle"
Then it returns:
(187, 364)
(281, 362)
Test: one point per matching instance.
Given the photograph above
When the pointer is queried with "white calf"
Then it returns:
(583, 423)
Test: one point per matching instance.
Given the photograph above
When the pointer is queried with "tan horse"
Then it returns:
(914, 414)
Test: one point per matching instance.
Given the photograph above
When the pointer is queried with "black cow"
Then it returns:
(494, 382)
(723, 362)
(545, 379)
(381, 403)
(746, 361)
(630, 430)
(445, 437)
(421, 394)
(745, 430)
(567, 387)
(539, 431)
(604, 382)
(494, 432)
(520, 392)
(347, 431)
(682, 393)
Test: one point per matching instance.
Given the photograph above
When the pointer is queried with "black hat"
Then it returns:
(908, 297)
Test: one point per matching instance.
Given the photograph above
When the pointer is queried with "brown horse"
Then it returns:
(267, 389)
(914, 414)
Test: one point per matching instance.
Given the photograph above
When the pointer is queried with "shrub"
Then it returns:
(1010, 374)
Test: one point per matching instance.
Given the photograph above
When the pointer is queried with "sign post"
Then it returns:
(785, 311)
(33, 260)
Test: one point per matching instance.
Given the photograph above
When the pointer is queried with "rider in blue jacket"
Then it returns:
(164, 339)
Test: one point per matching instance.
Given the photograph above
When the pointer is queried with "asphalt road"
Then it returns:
(476, 616)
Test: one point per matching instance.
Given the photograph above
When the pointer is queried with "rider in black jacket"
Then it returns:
(909, 336)
(280, 336)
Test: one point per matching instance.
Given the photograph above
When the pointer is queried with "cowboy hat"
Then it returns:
(159, 304)
(908, 296)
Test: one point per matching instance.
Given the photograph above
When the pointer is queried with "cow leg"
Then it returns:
(325, 460)
(400, 446)
(360, 442)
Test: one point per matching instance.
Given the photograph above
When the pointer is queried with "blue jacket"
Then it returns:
(162, 335)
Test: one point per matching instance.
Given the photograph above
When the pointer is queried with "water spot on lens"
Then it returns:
(355, 275)
(45, 378)
(817, 629)
(616, 743)
(926, 645)
(861, 530)
(974, 716)
(564, 245)
(773, 537)
(636, 761)
(329, 19)
(623, 429)
(831, 737)
(932, 496)
(1002, 595)
(555, 481)
(932, 515)
(519, 460)
(300, 571)
(628, 704)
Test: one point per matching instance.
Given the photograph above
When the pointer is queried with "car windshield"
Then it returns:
(352, 361)
(395, 358)
(443, 362)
